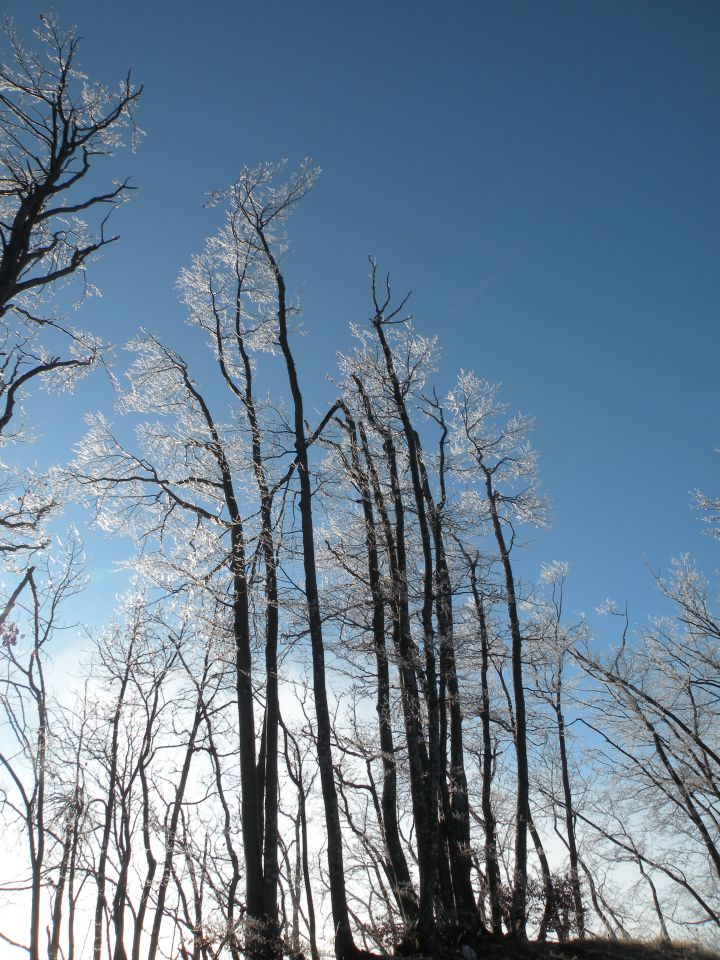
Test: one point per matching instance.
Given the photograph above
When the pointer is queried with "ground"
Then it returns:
(592, 949)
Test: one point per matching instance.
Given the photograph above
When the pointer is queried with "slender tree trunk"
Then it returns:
(71, 888)
(269, 797)
(345, 948)
(664, 935)
(430, 850)
(142, 768)
(454, 794)
(151, 866)
(227, 820)
(172, 830)
(568, 805)
(70, 827)
(121, 885)
(251, 806)
(100, 877)
(406, 652)
(492, 868)
(35, 808)
(296, 775)
(550, 914)
(400, 875)
(458, 808)
(522, 811)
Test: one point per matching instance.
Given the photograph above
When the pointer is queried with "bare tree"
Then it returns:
(296, 756)
(54, 126)
(361, 471)
(507, 494)
(190, 488)
(265, 205)
(194, 485)
(492, 867)
(551, 643)
(28, 762)
(656, 713)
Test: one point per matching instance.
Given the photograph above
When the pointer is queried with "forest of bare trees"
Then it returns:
(329, 714)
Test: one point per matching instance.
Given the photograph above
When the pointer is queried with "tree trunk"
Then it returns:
(522, 810)
(400, 875)
(568, 805)
(492, 868)
(345, 948)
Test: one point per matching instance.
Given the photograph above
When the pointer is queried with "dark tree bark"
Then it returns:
(345, 948)
(400, 875)
(568, 808)
(109, 803)
(492, 868)
(522, 812)
(429, 846)
(455, 793)
(406, 651)
(173, 822)
(267, 774)
(50, 141)
(295, 772)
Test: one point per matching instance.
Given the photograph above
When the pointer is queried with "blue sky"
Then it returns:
(542, 175)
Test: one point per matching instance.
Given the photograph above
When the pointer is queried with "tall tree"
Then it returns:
(193, 481)
(31, 784)
(656, 714)
(504, 470)
(265, 204)
(185, 486)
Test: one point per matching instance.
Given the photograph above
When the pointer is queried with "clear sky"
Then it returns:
(543, 175)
